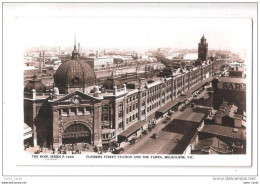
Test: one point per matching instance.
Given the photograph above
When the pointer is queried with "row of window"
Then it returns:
(131, 107)
(106, 110)
(130, 99)
(75, 111)
(152, 107)
(131, 118)
(154, 97)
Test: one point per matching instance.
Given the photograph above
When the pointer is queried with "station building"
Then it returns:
(77, 110)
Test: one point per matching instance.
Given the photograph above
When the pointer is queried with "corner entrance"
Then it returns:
(76, 133)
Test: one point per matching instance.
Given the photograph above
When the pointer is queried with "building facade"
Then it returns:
(77, 110)
(100, 62)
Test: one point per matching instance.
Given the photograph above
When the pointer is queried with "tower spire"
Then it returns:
(75, 47)
(75, 52)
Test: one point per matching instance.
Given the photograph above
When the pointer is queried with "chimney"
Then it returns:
(40, 63)
(78, 47)
(97, 54)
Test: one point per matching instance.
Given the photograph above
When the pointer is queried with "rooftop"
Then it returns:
(196, 114)
(213, 143)
(232, 80)
(225, 131)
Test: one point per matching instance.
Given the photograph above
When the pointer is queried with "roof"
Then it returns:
(196, 114)
(232, 80)
(211, 143)
(230, 111)
(74, 72)
(225, 131)
(63, 97)
(187, 129)
(130, 130)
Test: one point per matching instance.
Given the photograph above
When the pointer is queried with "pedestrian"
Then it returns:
(41, 147)
(140, 136)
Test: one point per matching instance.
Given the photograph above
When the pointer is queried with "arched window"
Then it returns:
(106, 113)
(76, 128)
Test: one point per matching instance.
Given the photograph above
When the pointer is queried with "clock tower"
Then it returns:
(203, 49)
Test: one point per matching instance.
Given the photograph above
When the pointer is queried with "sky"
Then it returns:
(128, 26)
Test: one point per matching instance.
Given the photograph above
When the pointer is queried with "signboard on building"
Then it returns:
(232, 86)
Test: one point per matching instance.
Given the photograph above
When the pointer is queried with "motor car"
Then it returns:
(145, 132)
(118, 150)
(165, 122)
(134, 140)
(155, 136)
(168, 118)
(170, 113)
(183, 108)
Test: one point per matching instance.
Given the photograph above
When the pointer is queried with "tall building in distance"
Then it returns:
(203, 49)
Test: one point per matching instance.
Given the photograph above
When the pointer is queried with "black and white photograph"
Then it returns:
(165, 84)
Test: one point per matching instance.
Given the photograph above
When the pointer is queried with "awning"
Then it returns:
(132, 129)
(168, 106)
(27, 131)
(27, 135)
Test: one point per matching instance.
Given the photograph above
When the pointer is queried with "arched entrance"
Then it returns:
(76, 133)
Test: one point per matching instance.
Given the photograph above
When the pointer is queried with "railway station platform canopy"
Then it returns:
(131, 130)
(167, 107)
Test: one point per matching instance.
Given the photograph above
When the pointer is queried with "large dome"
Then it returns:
(35, 84)
(74, 73)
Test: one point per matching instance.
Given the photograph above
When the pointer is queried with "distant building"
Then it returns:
(236, 71)
(203, 49)
(100, 62)
(30, 71)
(122, 60)
(181, 63)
